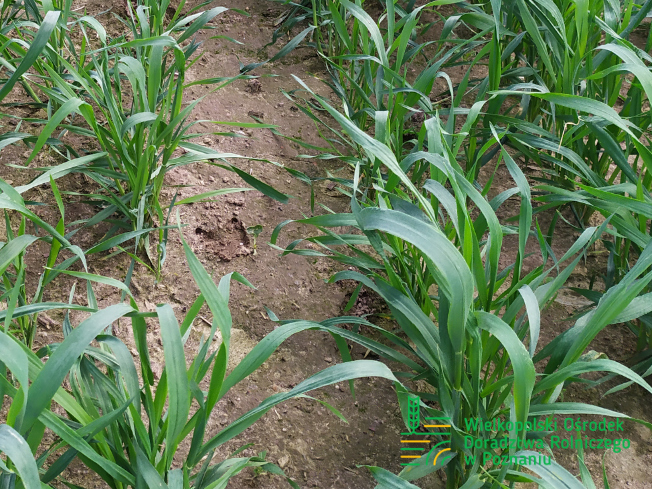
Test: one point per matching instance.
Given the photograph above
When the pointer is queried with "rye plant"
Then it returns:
(11, 10)
(24, 303)
(584, 119)
(13, 268)
(563, 63)
(431, 249)
(130, 427)
(45, 30)
(130, 96)
(373, 68)
(315, 12)
(384, 76)
(569, 90)
(25, 300)
(23, 50)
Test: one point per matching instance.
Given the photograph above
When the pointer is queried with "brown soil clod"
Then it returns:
(256, 114)
(365, 304)
(226, 241)
(254, 86)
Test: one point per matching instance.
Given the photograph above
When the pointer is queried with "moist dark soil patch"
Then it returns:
(227, 240)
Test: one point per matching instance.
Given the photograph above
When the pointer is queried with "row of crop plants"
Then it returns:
(555, 84)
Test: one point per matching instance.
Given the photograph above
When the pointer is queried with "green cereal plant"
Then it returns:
(13, 10)
(410, 180)
(559, 63)
(570, 94)
(25, 301)
(627, 206)
(602, 169)
(496, 378)
(12, 266)
(605, 150)
(387, 73)
(559, 45)
(123, 422)
(130, 96)
(21, 314)
(566, 86)
(45, 30)
(373, 69)
(17, 55)
(316, 12)
(580, 88)
(431, 250)
(13, 269)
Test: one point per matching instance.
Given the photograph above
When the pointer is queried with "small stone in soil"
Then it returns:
(283, 461)
(254, 86)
